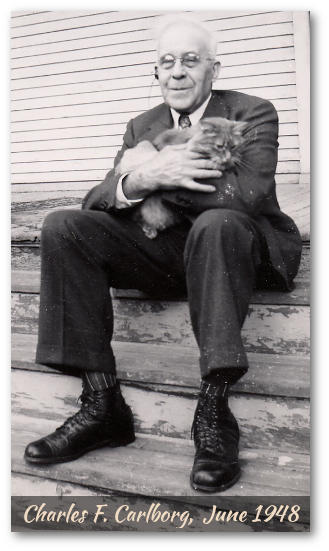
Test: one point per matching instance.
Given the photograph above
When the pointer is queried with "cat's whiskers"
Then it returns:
(243, 163)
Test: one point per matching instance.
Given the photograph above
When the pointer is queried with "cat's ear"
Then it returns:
(237, 133)
(239, 128)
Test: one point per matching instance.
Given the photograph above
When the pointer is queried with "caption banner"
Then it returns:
(169, 514)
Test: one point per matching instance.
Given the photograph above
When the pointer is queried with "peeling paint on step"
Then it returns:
(273, 330)
(284, 460)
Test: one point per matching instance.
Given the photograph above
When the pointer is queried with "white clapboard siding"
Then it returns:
(79, 77)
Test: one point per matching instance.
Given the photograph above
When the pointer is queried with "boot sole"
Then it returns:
(65, 459)
(212, 489)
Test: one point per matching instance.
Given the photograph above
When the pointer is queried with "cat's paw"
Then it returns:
(151, 233)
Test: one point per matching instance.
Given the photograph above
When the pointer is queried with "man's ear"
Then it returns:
(215, 70)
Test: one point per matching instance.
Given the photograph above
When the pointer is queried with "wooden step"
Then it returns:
(151, 364)
(277, 424)
(274, 441)
(160, 467)
(274, 329)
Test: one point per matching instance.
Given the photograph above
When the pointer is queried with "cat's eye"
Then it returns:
(189, 60)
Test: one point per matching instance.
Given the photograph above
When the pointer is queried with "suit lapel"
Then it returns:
(162, 123)
(216, 107)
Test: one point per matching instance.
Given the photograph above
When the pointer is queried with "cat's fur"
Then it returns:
(215, 138)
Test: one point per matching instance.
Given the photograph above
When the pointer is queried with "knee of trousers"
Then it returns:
(220, 231)
(60, 223)
(220, 222)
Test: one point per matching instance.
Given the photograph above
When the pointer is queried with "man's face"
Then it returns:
(185, 89)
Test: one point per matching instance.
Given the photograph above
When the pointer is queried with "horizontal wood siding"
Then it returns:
(78, 77)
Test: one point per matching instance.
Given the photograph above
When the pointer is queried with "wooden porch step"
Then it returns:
(274, 442)
(277, 424)
(158, 467)
(273, 329)
(155, 364)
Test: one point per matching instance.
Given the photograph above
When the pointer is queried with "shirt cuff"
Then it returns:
(121, 200)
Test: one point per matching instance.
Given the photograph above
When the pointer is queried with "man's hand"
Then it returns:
(136, 156)
(175, 166)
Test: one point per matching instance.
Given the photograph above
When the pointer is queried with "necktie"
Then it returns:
(184, 121)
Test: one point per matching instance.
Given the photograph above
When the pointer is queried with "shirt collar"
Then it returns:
(194, 117)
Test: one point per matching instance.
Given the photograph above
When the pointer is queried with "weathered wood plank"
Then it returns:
(104, 137)
(286, 107)
(143, 69)
(135, 91)
(288, 173)
(129, 82)
(217, 21)
(111, 23)
(139, 103)
(265, 471)
(131, 53)
(161, 467)
(279, 424)
(80, 170)
(73, 194)
(296, 203)
(95, 155)
(157, 364)
(159, 473)
(137, 41)
(273, 329)
(81, 180)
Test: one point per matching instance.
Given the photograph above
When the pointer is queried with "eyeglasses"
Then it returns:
(188, 60)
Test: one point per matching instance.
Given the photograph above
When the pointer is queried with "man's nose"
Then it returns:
(178, 70)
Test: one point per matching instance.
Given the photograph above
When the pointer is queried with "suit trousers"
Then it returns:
(84, 253)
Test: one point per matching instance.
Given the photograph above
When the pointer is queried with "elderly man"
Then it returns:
(232, 237)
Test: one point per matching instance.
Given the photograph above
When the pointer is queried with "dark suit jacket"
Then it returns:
(250, 188)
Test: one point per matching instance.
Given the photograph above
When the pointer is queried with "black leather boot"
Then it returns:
(216, 438)
(104, 419)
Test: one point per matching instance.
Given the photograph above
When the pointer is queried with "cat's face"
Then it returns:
(221, 140)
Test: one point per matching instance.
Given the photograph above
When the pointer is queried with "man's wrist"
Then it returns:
(121, 196)
(134, 186)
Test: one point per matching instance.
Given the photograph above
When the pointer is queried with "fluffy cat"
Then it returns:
(215, 138)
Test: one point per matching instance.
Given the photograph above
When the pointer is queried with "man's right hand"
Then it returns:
(174, 167)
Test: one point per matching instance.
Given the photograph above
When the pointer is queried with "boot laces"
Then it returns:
(210, 419)
(84, 416)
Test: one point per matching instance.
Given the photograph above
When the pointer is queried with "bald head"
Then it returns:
(185, 27)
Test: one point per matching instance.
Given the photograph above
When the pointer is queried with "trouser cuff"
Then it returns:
(229, 363)
(71, 360)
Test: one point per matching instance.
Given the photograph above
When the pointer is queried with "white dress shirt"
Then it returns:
(121, 200)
